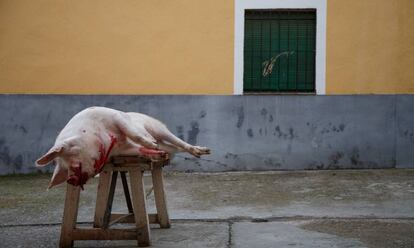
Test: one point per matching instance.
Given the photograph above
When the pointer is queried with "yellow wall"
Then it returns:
(116, 47)
(370, 46)
(185, 46)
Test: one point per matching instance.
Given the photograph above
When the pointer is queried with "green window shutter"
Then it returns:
(279, 51)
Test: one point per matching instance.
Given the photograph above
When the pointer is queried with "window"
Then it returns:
(279, 50)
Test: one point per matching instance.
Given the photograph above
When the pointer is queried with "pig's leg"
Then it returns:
(137, 135)
(162, 148)
(160, 132)
(131, 149)
(169, 148)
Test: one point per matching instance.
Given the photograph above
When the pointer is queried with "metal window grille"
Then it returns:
(279, 51)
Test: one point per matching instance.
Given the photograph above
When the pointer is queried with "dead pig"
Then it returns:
(96, 133)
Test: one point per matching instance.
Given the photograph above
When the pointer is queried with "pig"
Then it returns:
(96, 133)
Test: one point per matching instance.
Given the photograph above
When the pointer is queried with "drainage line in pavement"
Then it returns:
(230, 240)
(243, 219)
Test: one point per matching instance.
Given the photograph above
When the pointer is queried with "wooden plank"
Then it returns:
(159, 195)
(121, 160)
(129, 218)
(130, 159)
(160, 163)
(139, 204)
(125, 167)
(104, 234)
(110, 200)
(70, 215)
(120, 218)
(153, 218)
(102, 196)
(126, 192)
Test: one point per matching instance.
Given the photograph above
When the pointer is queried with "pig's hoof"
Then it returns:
(197, 151)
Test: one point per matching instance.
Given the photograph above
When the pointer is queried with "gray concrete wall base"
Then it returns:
(244, 132)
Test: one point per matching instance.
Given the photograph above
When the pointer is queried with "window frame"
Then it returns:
(320, 60)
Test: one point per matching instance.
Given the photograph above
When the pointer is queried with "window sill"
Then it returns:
(281, 93)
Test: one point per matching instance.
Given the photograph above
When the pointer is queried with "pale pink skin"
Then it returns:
(79, 141)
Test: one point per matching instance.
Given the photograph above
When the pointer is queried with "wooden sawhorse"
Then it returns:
(104, 218)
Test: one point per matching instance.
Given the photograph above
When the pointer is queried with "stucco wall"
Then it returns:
(185, 47)
(370, 46)
(244, 132)
(116, 47)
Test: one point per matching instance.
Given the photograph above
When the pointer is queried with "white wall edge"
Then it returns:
(239, 8)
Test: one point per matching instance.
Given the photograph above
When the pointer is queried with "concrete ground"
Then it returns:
(347, 208)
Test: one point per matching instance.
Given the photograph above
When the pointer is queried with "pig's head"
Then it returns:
(83, 157)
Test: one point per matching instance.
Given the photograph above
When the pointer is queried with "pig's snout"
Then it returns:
(78, 178)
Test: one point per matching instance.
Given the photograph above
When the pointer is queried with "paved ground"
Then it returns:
(353, 208)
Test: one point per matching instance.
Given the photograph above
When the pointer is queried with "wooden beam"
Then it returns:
(70, 215)
(126, 167)
(104, 234)
(110, 200)
(129, 218)
(102, 196)
(126, 192)
(160, 200)
(138, 160)
(130, 159)
(139, 204)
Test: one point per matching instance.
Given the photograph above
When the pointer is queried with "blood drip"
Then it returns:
(79, 178)
(99, 163)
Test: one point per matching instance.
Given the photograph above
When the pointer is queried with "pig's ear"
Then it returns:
(60, 175)
(50, 155)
